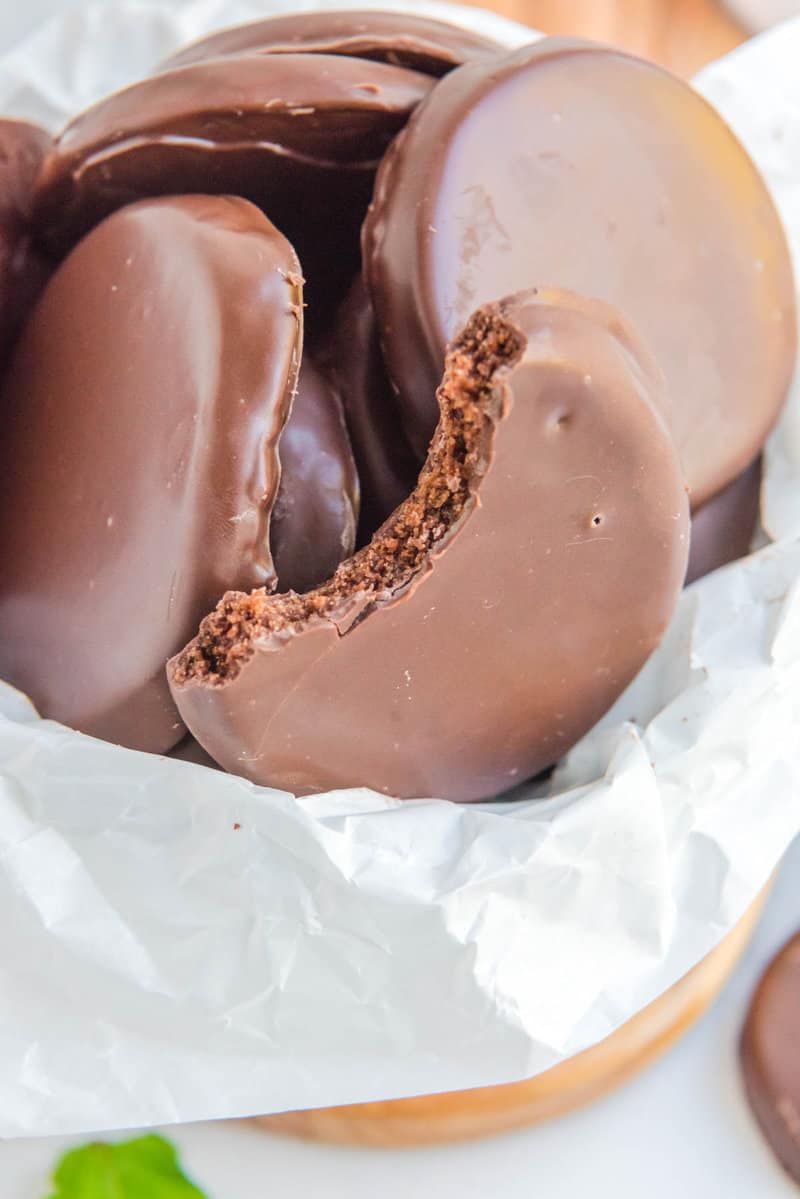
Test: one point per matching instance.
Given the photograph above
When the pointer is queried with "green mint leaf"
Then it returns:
(145, 1168)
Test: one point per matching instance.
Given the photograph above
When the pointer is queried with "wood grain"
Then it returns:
(680, 34)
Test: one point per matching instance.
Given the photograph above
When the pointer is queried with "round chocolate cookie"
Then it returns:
(401, 39)
(301, 135)
(138, 462)
(500, 610)
(353, 360)
(770, 1056)
(315, 515)
(572, 165)
(23, 268)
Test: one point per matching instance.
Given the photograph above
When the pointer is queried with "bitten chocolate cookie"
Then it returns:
(300, 135)
(401, 39)
(502, 608)
(573, 165)
(23, 268)
(770, 1055)
(138, 461)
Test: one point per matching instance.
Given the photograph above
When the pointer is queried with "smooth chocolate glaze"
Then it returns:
(503, 607)
(353, 360)
(315, 515)
(724, 527)
(138, 462)
(770, 1056)
(573, 165)
(401, 39)
(301, 135)
(24, 270)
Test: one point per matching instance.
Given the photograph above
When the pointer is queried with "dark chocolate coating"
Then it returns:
(573, 165)
(24, 270)
(138, 462)
(401, 39)
(519, 625)
(770, 1056)
(724, 527)
(352, 358)
(315, 515)
(301, 135)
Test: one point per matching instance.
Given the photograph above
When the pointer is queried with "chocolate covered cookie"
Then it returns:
(300, 135)
(573, 165)
(401, 39)
(138, 463)
(499, 611)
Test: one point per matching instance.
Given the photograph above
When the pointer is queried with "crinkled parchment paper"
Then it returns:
(176, 944)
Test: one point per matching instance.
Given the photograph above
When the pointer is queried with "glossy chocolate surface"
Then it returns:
(301, 135)
(770, 1056)
(138, 463)
(315, 515)
(401, 39)
(23, 268)
(460, 656)
(353, 360)
(724, 527)
(573, 165)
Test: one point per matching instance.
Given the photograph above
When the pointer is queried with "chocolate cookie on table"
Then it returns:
(573, 165)
(500, 610)
(138, 464)
(400, 39)
(770, 1056)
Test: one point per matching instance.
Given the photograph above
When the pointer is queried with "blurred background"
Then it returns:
(680, 34)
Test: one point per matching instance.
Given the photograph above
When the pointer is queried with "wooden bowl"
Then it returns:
(485, 1111)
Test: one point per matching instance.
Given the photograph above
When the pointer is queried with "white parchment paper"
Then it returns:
(177, 944)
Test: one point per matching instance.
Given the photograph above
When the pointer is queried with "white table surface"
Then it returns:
(681, 1129)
